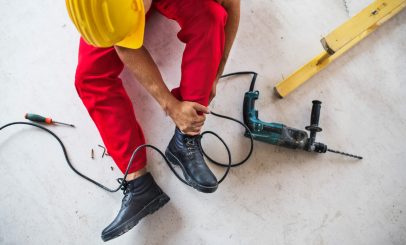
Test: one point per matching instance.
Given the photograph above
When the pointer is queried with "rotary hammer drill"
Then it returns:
(279, 134)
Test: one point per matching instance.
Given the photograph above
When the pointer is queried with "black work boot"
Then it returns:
(142, 196)
(185, 151)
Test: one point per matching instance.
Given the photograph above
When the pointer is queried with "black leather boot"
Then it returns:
(142, 196)
(185, 151)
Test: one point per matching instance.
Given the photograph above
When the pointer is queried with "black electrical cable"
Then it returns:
(254, 77)
(248, 131)
(211, 132)
(122, 182)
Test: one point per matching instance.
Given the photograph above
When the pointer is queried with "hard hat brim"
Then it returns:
(135, 39)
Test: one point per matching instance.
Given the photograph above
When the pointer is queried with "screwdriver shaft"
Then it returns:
(71, 125)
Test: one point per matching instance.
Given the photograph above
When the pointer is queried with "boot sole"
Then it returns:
(150, 208)
(175, 161)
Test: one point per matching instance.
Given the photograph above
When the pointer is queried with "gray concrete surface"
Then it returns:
(279, 197)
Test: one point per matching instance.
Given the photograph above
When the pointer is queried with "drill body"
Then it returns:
(277, 133)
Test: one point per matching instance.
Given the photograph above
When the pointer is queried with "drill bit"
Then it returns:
(345, 154)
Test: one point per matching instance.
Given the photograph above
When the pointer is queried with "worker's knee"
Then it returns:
(213, 14)
(83, 72)
(101, 68)
(79, 83)
(86, 79)
(205, 24)
(96, 73)
(96, 64)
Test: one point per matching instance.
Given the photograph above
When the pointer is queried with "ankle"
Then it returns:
(177, 130)
(136, 174)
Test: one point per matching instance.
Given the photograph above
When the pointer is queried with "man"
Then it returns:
(112, 35)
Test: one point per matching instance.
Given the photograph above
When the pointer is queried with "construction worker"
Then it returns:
(112, 36)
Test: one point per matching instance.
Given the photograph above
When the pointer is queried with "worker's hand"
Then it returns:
(186, 116)
(213, 91)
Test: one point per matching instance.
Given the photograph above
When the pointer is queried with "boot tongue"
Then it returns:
(190, 141)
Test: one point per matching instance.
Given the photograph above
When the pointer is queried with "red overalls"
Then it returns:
(98, 84)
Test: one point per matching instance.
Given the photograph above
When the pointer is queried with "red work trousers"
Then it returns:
(98, 84)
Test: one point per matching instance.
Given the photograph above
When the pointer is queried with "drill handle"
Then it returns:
(248, 108)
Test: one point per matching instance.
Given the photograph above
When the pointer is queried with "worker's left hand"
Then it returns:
(213, 91)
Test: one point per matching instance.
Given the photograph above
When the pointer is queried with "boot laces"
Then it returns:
(193, 145)
(124, 187)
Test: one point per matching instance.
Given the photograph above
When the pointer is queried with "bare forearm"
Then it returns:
(144, 69)
(233, 10)
(183, 113)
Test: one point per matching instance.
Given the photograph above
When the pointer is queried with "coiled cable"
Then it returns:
(122, 182)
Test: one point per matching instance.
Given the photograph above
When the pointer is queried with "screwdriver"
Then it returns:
(41, 119)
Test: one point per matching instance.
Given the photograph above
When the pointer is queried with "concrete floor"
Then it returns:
(279, 197)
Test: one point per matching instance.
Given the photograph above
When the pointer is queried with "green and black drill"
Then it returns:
(279, 134)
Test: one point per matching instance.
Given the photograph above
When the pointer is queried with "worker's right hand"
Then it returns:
(186, 116)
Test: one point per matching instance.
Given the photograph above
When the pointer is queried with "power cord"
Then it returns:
(122, 181)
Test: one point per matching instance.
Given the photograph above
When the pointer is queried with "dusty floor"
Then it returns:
(279, 197)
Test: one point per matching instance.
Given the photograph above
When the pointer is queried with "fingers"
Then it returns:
(198, 124)
(201, 108)
(198, 119)
(193, 128)
(191, 119)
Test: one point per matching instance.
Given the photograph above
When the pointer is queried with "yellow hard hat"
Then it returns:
(104, 23)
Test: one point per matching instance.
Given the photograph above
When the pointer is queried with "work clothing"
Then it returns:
(185, 151)
(142, 196)
(98, 84)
